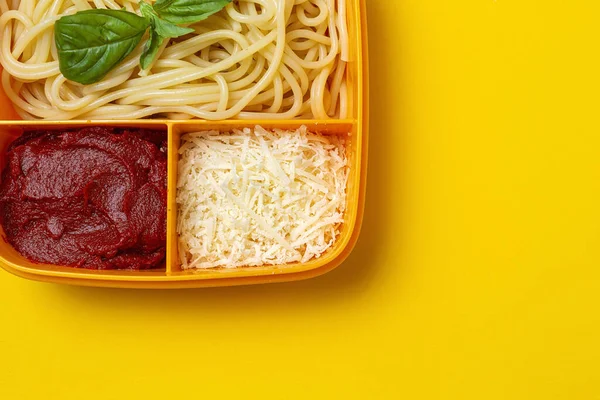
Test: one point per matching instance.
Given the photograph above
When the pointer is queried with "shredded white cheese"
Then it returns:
(258, 197)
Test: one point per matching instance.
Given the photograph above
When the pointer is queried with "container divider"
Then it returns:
(172, 263)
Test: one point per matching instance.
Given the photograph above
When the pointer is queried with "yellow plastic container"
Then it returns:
(171, 275)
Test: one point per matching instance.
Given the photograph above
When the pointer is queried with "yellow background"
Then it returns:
(477, 273)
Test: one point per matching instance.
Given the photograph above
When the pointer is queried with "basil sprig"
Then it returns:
(160, 30)
(91, 43)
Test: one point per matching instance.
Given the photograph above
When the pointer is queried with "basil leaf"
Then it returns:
(163, 28)
(90, 43)
(159, 31)
(151, 49)
(167, 29)
(188, 11)
(147, 10)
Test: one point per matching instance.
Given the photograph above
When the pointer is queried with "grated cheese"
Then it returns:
(255, 197)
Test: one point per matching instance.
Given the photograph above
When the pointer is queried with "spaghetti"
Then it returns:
(255, 59)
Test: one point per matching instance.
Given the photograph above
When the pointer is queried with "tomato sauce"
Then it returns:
(89, 198)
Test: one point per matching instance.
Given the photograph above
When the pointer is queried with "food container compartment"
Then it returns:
(171, 274)
(11, 260)
(343, 128)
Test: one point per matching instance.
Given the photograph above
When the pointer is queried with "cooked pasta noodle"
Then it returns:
(276, 59)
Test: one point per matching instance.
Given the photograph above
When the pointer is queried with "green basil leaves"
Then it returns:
(162, 27)
(188, 11)
(91, 43)
(160, 31)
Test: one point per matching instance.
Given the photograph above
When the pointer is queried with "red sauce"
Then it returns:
(89, 198)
